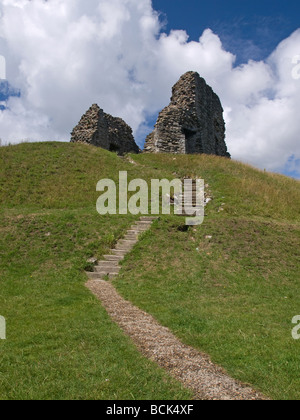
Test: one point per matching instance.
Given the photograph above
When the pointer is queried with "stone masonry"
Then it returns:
(100, 129)
(192, 123)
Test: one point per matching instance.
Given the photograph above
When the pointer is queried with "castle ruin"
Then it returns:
(192, 123)
(100, 129)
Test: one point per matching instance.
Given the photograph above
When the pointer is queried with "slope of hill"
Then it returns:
(228, 287)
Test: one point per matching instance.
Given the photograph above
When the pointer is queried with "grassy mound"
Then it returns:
(228, 287)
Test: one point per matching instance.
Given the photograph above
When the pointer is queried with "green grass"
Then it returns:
(61, 343)
(232, 296)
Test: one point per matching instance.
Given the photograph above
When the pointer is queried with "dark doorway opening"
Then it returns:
(114, 148)
(188, 133)
(190, 140)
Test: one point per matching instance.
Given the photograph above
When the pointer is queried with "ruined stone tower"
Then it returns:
(100, 129)
(192, 123)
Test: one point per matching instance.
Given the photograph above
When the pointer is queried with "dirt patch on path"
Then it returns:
(192, 368)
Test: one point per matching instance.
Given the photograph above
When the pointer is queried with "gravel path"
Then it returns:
(192, 368)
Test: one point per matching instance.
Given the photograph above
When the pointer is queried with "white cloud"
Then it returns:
(65, 55)
(263, 124)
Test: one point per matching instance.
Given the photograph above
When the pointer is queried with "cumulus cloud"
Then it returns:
(263, 104)
(64, 55)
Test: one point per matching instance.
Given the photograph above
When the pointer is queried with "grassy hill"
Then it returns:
(229, 287)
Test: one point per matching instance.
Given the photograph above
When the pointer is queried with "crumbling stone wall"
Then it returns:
(192, 123)
(100, 129)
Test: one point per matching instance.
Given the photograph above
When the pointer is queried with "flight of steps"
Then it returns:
(109, 266)
(191, 202)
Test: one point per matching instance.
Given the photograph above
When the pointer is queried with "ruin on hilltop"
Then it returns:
(192, 123)
(103, 130)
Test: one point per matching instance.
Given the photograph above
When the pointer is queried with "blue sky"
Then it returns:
(249, 29)
(64, 55)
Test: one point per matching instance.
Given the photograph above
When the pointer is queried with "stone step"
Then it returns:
(125, 247)
(191, 200)
(134, 232)
(196, 191)
(103, 274)
(190, 207)
(107, 270)
(140, 227)
(199, 205)
(139, 231)
(92, 275)
(144, 222)
(191, 191)
(189, 195)
(186, 214)
(193, 209)
(107, 264)
(120, 252)
(190, 203)
(116, 258)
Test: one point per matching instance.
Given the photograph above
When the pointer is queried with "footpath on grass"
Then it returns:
(194, 369)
